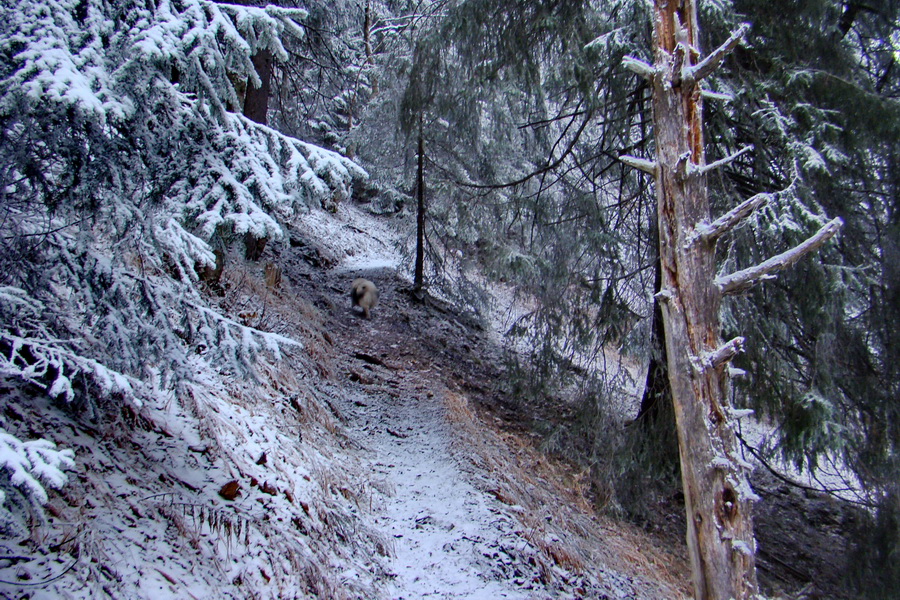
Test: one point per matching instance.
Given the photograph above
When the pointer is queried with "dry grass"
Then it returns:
(555, 513)
(278, 309)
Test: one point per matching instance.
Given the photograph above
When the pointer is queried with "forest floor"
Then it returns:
(412, 356)
(383, 458)
(472, 508)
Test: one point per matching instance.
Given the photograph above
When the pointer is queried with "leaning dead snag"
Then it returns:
(718, 497)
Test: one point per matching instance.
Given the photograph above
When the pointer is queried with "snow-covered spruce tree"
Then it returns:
(321, 100)
(502, 119)
(119, 161)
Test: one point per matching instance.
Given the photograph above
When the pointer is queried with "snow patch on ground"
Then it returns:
(446, 534)
(356, 239)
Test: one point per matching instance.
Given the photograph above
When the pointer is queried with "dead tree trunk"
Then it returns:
(718, 497)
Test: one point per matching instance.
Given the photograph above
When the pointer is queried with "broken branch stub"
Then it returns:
(708, 65)
(647, 166)
(638, 66)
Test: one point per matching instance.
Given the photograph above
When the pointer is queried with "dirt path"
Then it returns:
(468, 514)
(446, 534)
(450, 539)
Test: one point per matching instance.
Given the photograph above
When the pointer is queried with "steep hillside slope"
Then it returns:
(354, 467)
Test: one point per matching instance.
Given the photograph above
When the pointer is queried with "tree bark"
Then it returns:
(656, 389)
(717, 495)
(256, 102)
(367, 31)
(419, 280)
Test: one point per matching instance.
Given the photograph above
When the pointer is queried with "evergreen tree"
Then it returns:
(817, 92)
(120, 163)
(817, 99)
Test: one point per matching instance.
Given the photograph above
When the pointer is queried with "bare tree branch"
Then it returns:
(711, 95)
(548, 167)
(712, 231)
(765, 463)
(647, 166)
(721, 355)
(705, 67)
(722, 162)
(743, 280)
(638, 66)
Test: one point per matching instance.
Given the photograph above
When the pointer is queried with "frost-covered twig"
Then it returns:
(722, 162)
(709, 232)
(43, 581)
(743, 280)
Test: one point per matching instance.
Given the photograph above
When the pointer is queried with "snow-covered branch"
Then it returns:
(164, 169)
(721, 162)
(718, 96)
(718, 357)
(36, 360)
(647, 166)
(743, 280)
(709, 64)
(33, 464)
(643, 69)
(708, 232)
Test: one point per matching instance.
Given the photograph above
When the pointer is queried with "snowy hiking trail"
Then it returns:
(446, 535)
(467, 514)
(455, 530)
(453, 515)
(443, 529)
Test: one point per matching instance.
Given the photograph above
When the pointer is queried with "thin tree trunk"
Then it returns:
(656, 389)
(367, 31)
(419, 281)
(367, 38)
(657, 392)
(256, 102)
(717, 495)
